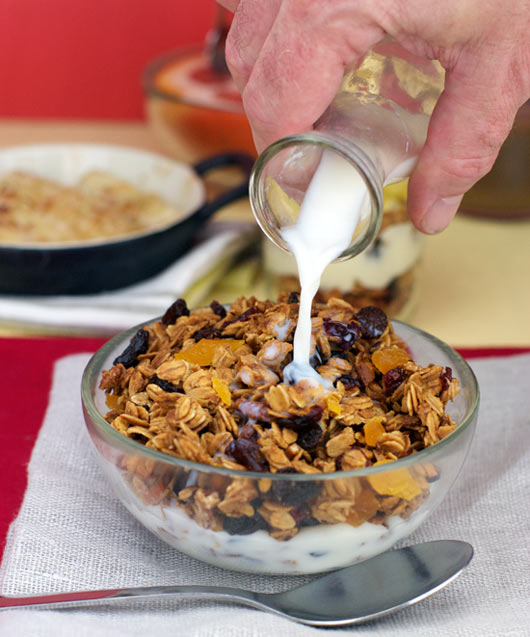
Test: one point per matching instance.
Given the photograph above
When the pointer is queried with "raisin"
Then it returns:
(246, 452)
(340, 354)
(300, 422)
(163, 384)
(373, 321)
(348, 381)
(316, 358)
(180, 482)
(294, 297)
(293, 492)
(393, 379)
(309, 437)
(344, 334)
(244, 525)
(174, 311)
(446, 377)
(138, 345)
(207, 332)
(374, 251)
(218, 309)
(309, 521)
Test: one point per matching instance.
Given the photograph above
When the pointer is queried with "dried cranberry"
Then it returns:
(309, 437)
(344, 334)
(246, 452)
(300, 422)
(247, 314)
(174, 311)
(254, 410)
(294, 297)
(348, 381)
(242, 317)
(300, 513)
(446, 377)
(207, 332)
(373, 321)
(163, 384)
(247, 432)
(218, 309)
(138, 345)
(393, 379)
(244, 525)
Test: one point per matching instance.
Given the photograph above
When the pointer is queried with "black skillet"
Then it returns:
(110, 265)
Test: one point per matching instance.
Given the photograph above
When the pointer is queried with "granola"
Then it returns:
(99, 206)
(207, 386)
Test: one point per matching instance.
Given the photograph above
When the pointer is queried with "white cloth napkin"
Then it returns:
(71, 533)
(191, 276)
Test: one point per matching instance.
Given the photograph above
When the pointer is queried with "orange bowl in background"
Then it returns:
(195, 111)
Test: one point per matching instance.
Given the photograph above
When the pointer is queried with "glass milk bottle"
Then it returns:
(377, 123)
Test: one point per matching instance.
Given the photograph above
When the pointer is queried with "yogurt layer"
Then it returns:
(313, 550)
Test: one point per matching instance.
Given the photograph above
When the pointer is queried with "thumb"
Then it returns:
(468, 126)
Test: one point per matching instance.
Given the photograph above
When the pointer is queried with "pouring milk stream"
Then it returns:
(328, 217)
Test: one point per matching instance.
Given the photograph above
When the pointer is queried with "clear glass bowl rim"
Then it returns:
(94, 367)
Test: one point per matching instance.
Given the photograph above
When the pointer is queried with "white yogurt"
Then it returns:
(313, 550)
(327, 221)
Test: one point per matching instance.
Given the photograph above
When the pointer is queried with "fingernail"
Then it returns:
(439, 215)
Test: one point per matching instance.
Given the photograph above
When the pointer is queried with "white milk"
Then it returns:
(328, 217)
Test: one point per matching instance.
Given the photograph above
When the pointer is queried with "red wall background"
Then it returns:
(84, 58)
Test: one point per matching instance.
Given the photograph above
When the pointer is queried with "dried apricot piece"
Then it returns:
(365, 507)
(373, 428)
(387, 359)
(202, 352)
(112, 401)
(398, 483)
(222, 390)
(333, 405)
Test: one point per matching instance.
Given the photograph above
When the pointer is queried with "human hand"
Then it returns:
(288, 57)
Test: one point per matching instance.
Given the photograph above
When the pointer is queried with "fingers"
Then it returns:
(467, 128)
(230, 5)
(251, 25)
(289, 77)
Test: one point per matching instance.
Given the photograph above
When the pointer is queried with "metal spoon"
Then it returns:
(355, 594)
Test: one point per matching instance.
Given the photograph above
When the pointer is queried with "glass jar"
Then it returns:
(377, 123)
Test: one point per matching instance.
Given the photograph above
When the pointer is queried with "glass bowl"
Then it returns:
(221, 514)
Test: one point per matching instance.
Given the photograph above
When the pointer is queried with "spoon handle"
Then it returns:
(83, 598)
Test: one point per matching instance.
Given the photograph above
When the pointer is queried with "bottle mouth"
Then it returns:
(282, 173)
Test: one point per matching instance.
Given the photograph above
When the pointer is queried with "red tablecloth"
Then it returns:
(25, 378)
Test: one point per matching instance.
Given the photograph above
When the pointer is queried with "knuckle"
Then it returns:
(234, 59)
(468, 169)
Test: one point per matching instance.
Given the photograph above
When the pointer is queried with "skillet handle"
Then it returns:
(226, 159)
